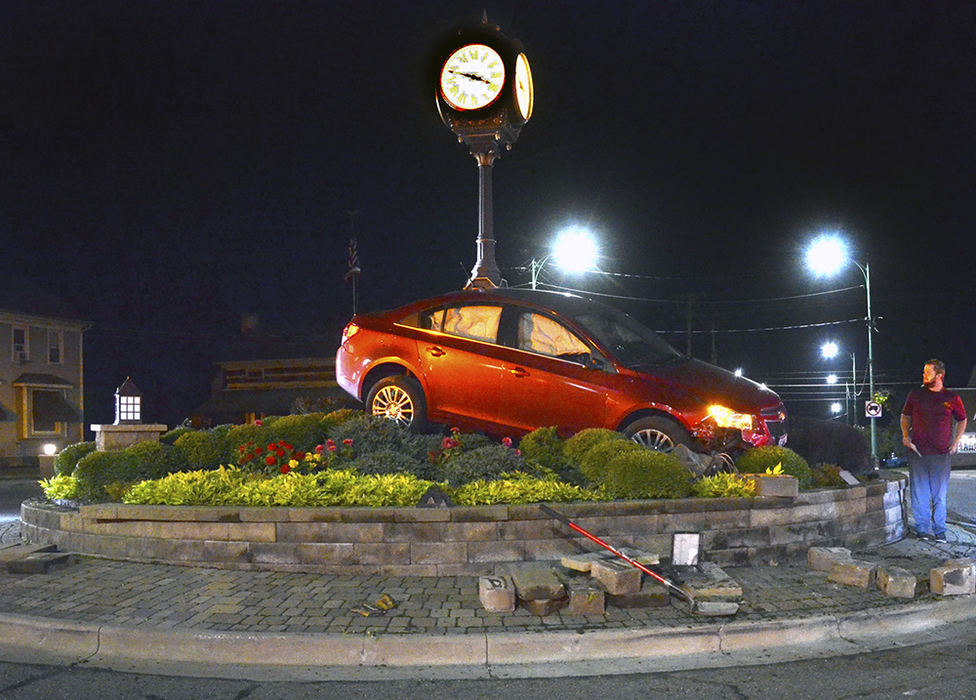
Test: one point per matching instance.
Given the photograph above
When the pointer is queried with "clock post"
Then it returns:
(484, 95)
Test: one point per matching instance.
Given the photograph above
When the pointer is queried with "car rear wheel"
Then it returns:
(658, 433)
(400, 399)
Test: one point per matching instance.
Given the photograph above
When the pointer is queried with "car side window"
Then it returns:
(476, 322)
(543, 335)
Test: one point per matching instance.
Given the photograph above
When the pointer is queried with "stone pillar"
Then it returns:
(118, 437)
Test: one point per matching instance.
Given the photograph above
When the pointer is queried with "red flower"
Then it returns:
(518, 453)
(507, 441)
(241, 448)
(257, 422)
(282, 443)
(258, 450)
(269, 460)
(272, 447)
(319, 449)
(332, 447)
(447, 443)
(347, 442)
(299, 456)
(285, 469)
(280, 453)
(330, 443)
(455, 430)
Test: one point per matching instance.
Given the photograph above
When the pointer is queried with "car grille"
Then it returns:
(776, 421)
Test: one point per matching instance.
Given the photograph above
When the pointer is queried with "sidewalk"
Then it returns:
(124, 614)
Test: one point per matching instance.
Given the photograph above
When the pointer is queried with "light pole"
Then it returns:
(826, 255)
(573, 250)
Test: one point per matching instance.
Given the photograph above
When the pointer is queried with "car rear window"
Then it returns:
(478, 322)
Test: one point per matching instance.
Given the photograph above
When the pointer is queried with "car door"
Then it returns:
(458, 358)
(551, 377)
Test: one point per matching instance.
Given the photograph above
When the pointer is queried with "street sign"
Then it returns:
(872, 409)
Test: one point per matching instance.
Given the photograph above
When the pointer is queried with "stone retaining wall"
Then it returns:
(467, 539)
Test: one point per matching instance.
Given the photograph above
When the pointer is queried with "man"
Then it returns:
(926, 429)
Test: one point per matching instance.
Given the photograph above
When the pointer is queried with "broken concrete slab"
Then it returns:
(896, 582)
(954, 577)
(824, 558)
(19, 551)
(651, 595)
(853, 572)
(541, 608)
(537, 582)
(40, 563)
(709, 581)
(583, 562)
(497, 593)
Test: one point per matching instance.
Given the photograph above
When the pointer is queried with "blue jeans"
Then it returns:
(929, 483)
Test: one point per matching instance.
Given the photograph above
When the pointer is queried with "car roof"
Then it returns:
(560, 302)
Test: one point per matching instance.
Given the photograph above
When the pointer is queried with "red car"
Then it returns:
(507, 361)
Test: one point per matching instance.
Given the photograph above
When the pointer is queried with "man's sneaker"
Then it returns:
(941, 538)
(922, 536)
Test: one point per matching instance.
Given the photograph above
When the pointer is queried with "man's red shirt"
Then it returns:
(932, 413)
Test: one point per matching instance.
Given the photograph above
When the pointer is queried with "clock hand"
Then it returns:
(469, 76)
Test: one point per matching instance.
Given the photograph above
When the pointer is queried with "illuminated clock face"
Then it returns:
(524, 92)
(472, 77)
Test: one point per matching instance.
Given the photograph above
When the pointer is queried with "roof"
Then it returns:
(41, 379)
(21, 296)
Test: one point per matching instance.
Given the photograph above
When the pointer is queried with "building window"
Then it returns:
(47, 408)
(55, 346)
(19, 349)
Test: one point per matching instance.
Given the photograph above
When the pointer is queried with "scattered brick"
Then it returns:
(497, 593)
(824, 558)
(853, 572)
(954, 577)
(896, 582)
(617, 577)
(537, 582)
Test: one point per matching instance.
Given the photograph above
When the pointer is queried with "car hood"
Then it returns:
(711, 384)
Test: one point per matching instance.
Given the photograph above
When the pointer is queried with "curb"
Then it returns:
(523, 654)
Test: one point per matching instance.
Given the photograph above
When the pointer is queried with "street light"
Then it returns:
(573, 250)
(826, 256)
(829, 351)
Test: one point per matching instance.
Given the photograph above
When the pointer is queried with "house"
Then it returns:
(272, 375)
(41, 375)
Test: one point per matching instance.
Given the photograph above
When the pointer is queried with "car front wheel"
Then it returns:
(658, 433)
(399, 399)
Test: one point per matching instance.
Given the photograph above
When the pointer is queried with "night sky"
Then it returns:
(169, 166)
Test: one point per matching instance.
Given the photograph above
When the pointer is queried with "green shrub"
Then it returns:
(759, 459)
(543, 449)
(338, 417)
(371, 433)
(171, 436)
(827, 476)
(644, 473)
(391, 462)
(303, 431)
(830, 442)
(202, 449)
(595, 462)
(67, 459)
(482, 463)
(521, 488)
(60, 486)
(724, 486)
(577, 446)
(239, 435)
(97, 470)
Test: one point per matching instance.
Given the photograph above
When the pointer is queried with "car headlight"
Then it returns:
(727, 418)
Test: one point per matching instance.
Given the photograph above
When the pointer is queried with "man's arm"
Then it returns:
(906, 433)
(960, 429)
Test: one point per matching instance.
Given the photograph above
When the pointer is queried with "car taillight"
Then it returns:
(349, 331)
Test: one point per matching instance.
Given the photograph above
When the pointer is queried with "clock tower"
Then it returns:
(485, 95)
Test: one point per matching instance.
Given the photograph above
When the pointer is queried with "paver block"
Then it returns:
(541, 608)
(616, 577)
(954, 577)
(586, 598)
(853, 572)
(651, 595)
(896, 582)
(537, 582)
(710, 582)
(777, 486)
(583, 562)
(39, 563)
(824, 558)
(497, 593)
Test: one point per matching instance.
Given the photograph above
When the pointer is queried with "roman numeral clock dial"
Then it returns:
(472, 77)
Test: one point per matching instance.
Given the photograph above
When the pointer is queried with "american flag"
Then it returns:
(352, 260)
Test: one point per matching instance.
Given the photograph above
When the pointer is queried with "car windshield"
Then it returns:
(631, 343)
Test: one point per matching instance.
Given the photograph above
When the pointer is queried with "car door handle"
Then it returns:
(519, 372)
(436, 351)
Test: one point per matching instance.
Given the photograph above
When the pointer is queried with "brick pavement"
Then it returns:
(164, 596)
